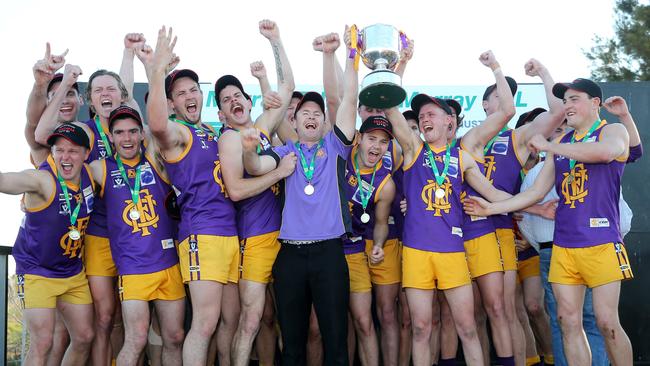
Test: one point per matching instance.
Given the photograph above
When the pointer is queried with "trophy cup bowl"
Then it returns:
(380, 51)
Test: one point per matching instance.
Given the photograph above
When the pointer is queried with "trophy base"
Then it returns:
(382, 89)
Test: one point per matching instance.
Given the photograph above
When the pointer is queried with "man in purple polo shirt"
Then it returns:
(311, 266)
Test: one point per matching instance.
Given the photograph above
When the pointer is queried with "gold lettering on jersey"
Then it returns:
(148, 217)
(490, 167)
(217, 177)
(573, 189)
(435, 204)
(72, 248)
(275, 189)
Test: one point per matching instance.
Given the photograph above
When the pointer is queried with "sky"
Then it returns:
(220, 37)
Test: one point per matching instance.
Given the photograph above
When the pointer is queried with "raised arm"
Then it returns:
(167, 134)
(613, 144)
(406, 54)
(332, 72)
(28, 181)
(476, 138)
(253, 163)
(132, 41)
(271, 118)
(479, 207)
(618, 107)
(547, 122)
(346, 116)
(232, 169)
(406, 139)
(50, 117)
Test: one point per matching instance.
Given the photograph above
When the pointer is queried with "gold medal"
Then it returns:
(134, 214)
(309, 189)
(74, 234)
(440, 193)
(365, 218)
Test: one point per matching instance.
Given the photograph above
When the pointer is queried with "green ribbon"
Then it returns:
(135, 191)
(491, 142)
(194, 126)
(308, 169)
(73, 213)
(107, 144)
(440, 178)
(572, 162)
(362, 192)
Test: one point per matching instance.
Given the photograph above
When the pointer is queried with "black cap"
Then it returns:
(123, 112)
(223, 82)
(453, 103)
(57, 78)
(511, 83)
(296, 94)
(311, 97)
(175, 75)
(409, 114)
(422, 99)
(376, 123)
(529, 116)
(580, 84)
(72, 133)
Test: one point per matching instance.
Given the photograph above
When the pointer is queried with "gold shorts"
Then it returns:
(528, 268)
(162, 285)
(429, 270)
(388, 271)
(591, 266)
(359, 272)
(43, 292)
(508, 249)
(483, 255)
(259, 253)
(209, 258)
(98, 259)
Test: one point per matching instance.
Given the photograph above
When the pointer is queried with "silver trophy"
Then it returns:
(380, 46)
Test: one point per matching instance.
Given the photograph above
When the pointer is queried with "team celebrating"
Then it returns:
(176, 241)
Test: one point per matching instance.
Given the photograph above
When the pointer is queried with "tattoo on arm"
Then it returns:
(278, 63)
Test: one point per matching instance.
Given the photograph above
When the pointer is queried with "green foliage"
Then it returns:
(626, 57)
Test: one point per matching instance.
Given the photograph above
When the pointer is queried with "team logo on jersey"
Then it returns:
(264, 142)
(387, 160)
(89, 197)
(276, 189)
(352, 181)
(490, 167)
(148, 219)
(573, 185)
(321, 153)
(63, 206)
(367, 187)
(452, 171)
(500, 145)
(433, 203)
(72, 248)
(217, 177)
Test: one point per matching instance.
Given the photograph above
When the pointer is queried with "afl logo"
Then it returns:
(500, 148)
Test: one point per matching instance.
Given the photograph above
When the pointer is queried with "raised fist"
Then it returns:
(327, 43)
(269, 29)
(406, 53)
(134, 40)
(533, 67)
(258, 70)
(250, 138)
(616, 106)
(487, 58)
(70, 75)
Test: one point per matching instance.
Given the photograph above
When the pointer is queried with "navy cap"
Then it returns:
(580, 84)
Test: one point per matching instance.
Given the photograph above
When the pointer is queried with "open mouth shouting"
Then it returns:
(191, 107)
(310, 126)
(237, 110)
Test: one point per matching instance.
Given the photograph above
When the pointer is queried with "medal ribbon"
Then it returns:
(308, 169)
(362, 192)
(107, 144)
(491, 142)
(572, 163)
(190, 125)
(355, 46)
(440, 178)
(135, 191)
(73, 213)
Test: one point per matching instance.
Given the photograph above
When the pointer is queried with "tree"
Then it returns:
(625, 57)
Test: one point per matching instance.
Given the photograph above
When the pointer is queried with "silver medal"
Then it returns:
(74, 234)
(365, 218)
(440, 193)
(134, 214)
(309, 189)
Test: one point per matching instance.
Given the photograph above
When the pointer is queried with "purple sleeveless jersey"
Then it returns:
(396, 219)
(145, 245)
(202, 198)
(502, 169)
(434, 224)
(588, 207)
(475, 226)
(260, 214)
(97, 225)
(43, 246)
(353, 194)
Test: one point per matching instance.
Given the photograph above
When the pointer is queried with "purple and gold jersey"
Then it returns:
(98, 151)
(396, 219)
(434, 224)
(202, 198)
(353, 193)
(475, 226)
(260, 214)
(589, 194)
(43, 246)
(502, 167)
(145, 245)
